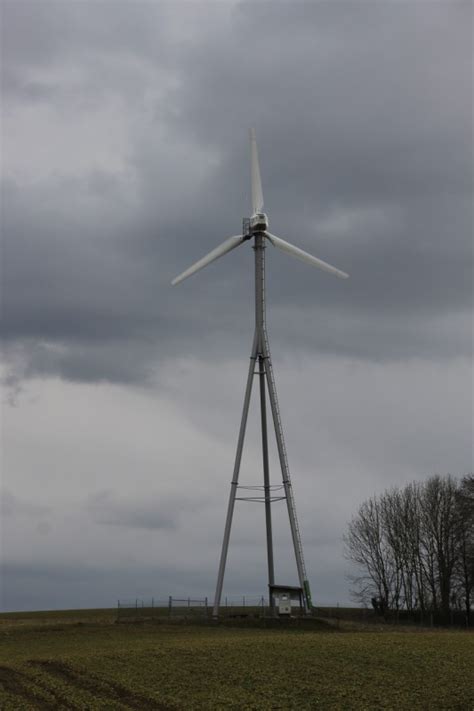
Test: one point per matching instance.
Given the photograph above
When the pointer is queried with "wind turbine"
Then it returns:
(256, 228)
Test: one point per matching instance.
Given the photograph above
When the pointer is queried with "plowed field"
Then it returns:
(86, 661)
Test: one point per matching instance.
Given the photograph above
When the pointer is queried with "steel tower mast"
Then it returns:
(261, 355)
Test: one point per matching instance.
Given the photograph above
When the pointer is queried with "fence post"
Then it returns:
(170, 605)
(189, 602)
(243, 600)
(136, 603)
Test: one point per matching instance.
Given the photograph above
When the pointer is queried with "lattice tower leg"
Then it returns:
(235, 479)
(295, 531)
(266, 476)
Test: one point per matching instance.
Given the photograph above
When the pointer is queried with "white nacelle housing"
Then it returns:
(258, 222)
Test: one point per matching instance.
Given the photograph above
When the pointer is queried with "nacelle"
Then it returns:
(258, 222)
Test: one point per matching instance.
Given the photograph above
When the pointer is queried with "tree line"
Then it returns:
(414, 547)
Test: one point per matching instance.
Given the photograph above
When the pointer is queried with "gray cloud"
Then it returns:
(11, 505)
(364, 126)
(115, 464)
(104, 507)
(126, 159)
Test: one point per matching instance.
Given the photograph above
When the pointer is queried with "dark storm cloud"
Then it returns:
(42, 35)
(363, 113)
(358, 102)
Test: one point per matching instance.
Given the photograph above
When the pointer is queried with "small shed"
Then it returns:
(286, 598)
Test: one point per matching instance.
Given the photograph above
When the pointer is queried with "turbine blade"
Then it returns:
(304, 256)
(257, 194)
(226, 246)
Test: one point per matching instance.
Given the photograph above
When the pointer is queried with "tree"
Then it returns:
(415, 546)
(464, 572)
(366, 546)
(440, 526)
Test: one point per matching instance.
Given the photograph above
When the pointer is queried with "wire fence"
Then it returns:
(155, 608)
(252, 607)
(412, 618)
(192, 608)
(141, 609)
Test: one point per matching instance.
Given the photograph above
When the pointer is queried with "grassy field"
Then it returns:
(83, 660)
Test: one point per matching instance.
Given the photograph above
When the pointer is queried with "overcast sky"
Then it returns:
(125, 159)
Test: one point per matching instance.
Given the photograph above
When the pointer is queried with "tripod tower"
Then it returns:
(255, 229)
